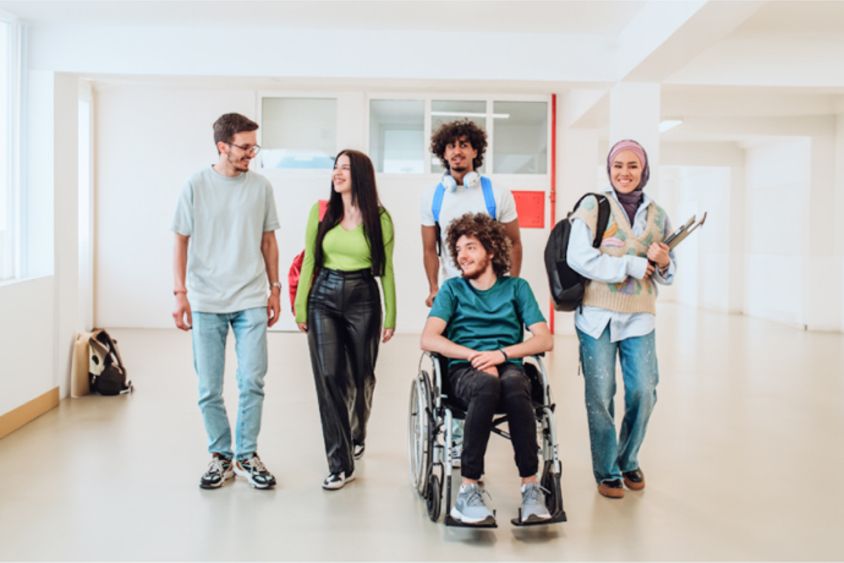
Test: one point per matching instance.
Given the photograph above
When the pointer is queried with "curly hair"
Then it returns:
(453, 130)
(489, 232)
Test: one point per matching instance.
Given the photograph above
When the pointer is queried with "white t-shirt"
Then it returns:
(226, 218)
(458, 202)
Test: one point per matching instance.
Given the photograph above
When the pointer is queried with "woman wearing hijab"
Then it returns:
(348, 248)
(617, 316)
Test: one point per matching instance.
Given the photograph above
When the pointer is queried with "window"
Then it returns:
(517, 133)
(7, 153)
(521, 137)
(397, 135)
(298, 133)
(443, 111)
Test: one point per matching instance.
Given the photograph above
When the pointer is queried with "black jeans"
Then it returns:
(485, 395)
(344, 326)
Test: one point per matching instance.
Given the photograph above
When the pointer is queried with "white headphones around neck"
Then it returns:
(470, 180)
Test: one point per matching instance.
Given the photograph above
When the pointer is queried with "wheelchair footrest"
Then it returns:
(555, 519)
(455, 523)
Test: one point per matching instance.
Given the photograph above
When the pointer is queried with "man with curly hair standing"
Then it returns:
(477, 321)
(460, 145)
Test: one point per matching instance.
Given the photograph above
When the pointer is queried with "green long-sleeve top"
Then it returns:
(347, 250)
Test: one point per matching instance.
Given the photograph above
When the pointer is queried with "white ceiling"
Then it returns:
(805, 16)
(602, 18)
(750, 48)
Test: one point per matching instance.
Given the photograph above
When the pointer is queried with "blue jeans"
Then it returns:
(612, 456)
(210, 331)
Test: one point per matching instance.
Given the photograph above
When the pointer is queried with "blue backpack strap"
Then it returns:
(489, 197)
(437, 204)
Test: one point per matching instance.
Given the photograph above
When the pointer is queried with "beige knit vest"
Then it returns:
(631, 295)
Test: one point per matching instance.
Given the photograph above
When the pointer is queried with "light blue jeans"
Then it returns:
(612, 456)
(210, 331)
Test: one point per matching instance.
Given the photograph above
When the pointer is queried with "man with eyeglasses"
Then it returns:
(226, 250)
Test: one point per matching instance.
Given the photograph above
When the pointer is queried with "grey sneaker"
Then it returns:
(254, 471)
(533, 504)
(469, 507)
(219, 471)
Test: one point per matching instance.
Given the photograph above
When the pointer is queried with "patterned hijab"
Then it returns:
(630, 202)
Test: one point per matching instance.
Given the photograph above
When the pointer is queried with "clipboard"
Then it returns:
(683, 231)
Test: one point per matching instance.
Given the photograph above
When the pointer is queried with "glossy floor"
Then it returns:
(741, 459)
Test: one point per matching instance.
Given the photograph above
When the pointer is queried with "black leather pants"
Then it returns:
(344, 327)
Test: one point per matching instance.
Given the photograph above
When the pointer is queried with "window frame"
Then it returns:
(10, 269)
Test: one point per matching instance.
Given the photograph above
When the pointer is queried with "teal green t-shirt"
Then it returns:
(488, 319)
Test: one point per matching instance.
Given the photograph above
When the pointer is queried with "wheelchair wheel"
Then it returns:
(420, 433)
(433, 501)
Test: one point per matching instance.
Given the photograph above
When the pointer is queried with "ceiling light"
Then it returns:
(667, 124)
(469, 114)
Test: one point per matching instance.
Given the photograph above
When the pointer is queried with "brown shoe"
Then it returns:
(611, 489)
(635, 480)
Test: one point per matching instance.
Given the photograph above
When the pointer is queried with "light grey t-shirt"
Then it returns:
(225, 219)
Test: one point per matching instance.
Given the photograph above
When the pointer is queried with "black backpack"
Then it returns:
(106, 372)
(566, 285)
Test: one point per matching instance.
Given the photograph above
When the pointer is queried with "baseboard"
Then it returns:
(28, 412)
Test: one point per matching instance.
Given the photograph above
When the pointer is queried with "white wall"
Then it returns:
(823, 257)
(26, 345)
(42, 311)
(778, 185)
(704, 257)
(151, 138)
(149, 141)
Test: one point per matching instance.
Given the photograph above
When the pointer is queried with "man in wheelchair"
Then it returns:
(477, 322)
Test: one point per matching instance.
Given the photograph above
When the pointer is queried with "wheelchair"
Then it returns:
(430, 439)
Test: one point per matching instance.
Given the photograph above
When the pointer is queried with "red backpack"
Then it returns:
(296, 266)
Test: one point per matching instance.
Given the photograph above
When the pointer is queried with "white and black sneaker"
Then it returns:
(219, 471)
(253, 470)
(358, 451)
(336, 481)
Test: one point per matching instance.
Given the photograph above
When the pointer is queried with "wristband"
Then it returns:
(506, 357)
(178, 291)
(275, 285)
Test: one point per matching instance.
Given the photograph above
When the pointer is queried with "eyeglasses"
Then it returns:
(253, 149)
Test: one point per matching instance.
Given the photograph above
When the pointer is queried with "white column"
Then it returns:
(66, 258)
(577, 160)
(839, 203)
(635, 114)
(822, 252)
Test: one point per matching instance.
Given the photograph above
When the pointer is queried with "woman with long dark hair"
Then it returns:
(341, 311)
